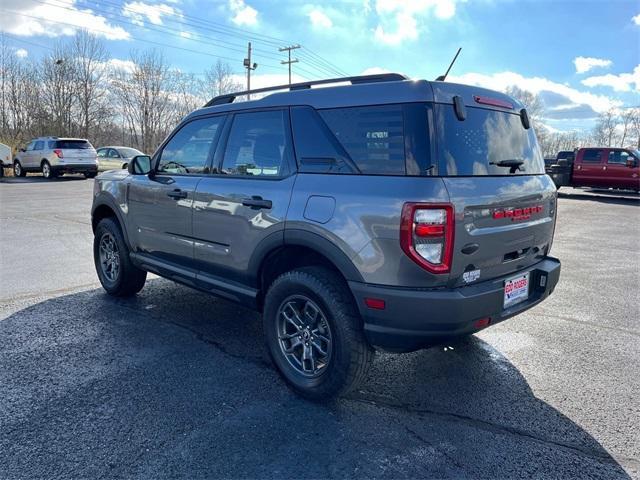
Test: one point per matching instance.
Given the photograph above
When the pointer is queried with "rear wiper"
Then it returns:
(513, 164)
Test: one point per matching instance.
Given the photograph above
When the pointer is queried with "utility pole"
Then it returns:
(289, 62)
(249, 66)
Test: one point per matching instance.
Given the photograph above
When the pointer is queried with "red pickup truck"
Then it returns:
(603, 167)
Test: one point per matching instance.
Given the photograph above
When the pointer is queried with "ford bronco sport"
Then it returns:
(381, 212)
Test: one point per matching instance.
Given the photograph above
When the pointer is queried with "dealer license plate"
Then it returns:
(516, 290)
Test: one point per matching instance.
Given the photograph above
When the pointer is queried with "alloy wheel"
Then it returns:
(109, 257)
(46, 170)
(304, 335)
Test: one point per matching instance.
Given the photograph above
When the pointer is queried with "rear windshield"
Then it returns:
(77, 144)
(487, 142)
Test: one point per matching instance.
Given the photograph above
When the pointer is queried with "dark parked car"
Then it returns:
(387, 213)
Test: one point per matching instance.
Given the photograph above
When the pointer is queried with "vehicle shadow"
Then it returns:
(40, 179)
(601, 196)
(174, 383)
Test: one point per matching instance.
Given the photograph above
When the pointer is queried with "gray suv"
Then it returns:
(381, 213)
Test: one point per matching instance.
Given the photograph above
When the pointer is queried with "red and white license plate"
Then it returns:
(516, 290)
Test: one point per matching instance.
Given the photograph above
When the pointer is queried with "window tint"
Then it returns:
(256, 145)
(188, 150)
(372, 136)
(77, 144)
(592, 155)
(486, 138)
(618, 157)
(316, 148)
(39, 145)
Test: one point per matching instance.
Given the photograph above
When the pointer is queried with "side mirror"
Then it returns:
(22, 150)
(632, 162)
(139, 165)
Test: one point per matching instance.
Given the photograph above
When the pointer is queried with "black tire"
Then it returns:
(47, 171)
(350, 354)
(128, 279)
(90, 174)
(18, 171)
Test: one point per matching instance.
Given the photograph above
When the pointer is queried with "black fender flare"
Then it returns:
(302, 238)
(104, 199)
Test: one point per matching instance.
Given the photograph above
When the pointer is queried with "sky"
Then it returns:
(581, 57)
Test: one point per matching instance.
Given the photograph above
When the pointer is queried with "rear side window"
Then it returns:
(76, 144)
(372, 136)
(256, 145)
(592, 155)
(487, 142)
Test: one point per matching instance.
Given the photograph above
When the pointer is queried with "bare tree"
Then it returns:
(630, 124)
(606, 130)
(144, 97)
(57, 74)
(90, 57)
(219, 80)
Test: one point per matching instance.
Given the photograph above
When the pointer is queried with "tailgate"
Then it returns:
(503, 224)
(80, 155)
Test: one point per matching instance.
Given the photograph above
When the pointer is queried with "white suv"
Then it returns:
(55, 156)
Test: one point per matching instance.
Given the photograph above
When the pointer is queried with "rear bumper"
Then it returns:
(419, 318)
(75, 168)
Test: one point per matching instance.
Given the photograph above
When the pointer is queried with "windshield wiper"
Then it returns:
(513, 164)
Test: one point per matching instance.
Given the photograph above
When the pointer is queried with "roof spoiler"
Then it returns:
(381, 77)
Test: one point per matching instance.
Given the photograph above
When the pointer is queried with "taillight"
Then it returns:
(426, 235)
(58, 153)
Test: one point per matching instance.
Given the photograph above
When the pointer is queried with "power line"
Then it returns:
(321, 63)
(139, 39)
(167, 30)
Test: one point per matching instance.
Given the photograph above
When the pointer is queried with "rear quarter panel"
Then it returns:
(365, 221)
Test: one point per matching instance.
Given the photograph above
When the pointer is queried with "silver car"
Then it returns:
(112, 158)
(55, 156)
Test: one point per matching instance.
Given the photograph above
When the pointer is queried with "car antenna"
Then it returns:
(441, 78)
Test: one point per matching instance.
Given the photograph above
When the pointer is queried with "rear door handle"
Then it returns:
(177, 193)
(256, 202)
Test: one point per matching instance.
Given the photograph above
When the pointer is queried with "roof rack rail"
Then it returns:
(381, 77)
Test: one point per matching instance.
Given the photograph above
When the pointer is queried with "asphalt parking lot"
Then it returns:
(174, 383)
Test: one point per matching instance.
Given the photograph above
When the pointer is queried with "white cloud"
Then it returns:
(187, 35)
(584, 64)
(21, 53)
(138, 11)
(624, 82)
(398, 19)
(63, 18)
(243, 14)
(636, 19)
(572, 98)
(127, 66)
(319, 19)
(374, 71)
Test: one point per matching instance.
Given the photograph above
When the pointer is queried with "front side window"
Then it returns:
(256, 145)
(188, 151)
(592, 155)
(486, 143)
(113, 153)
(618, 157)
(39, 145)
